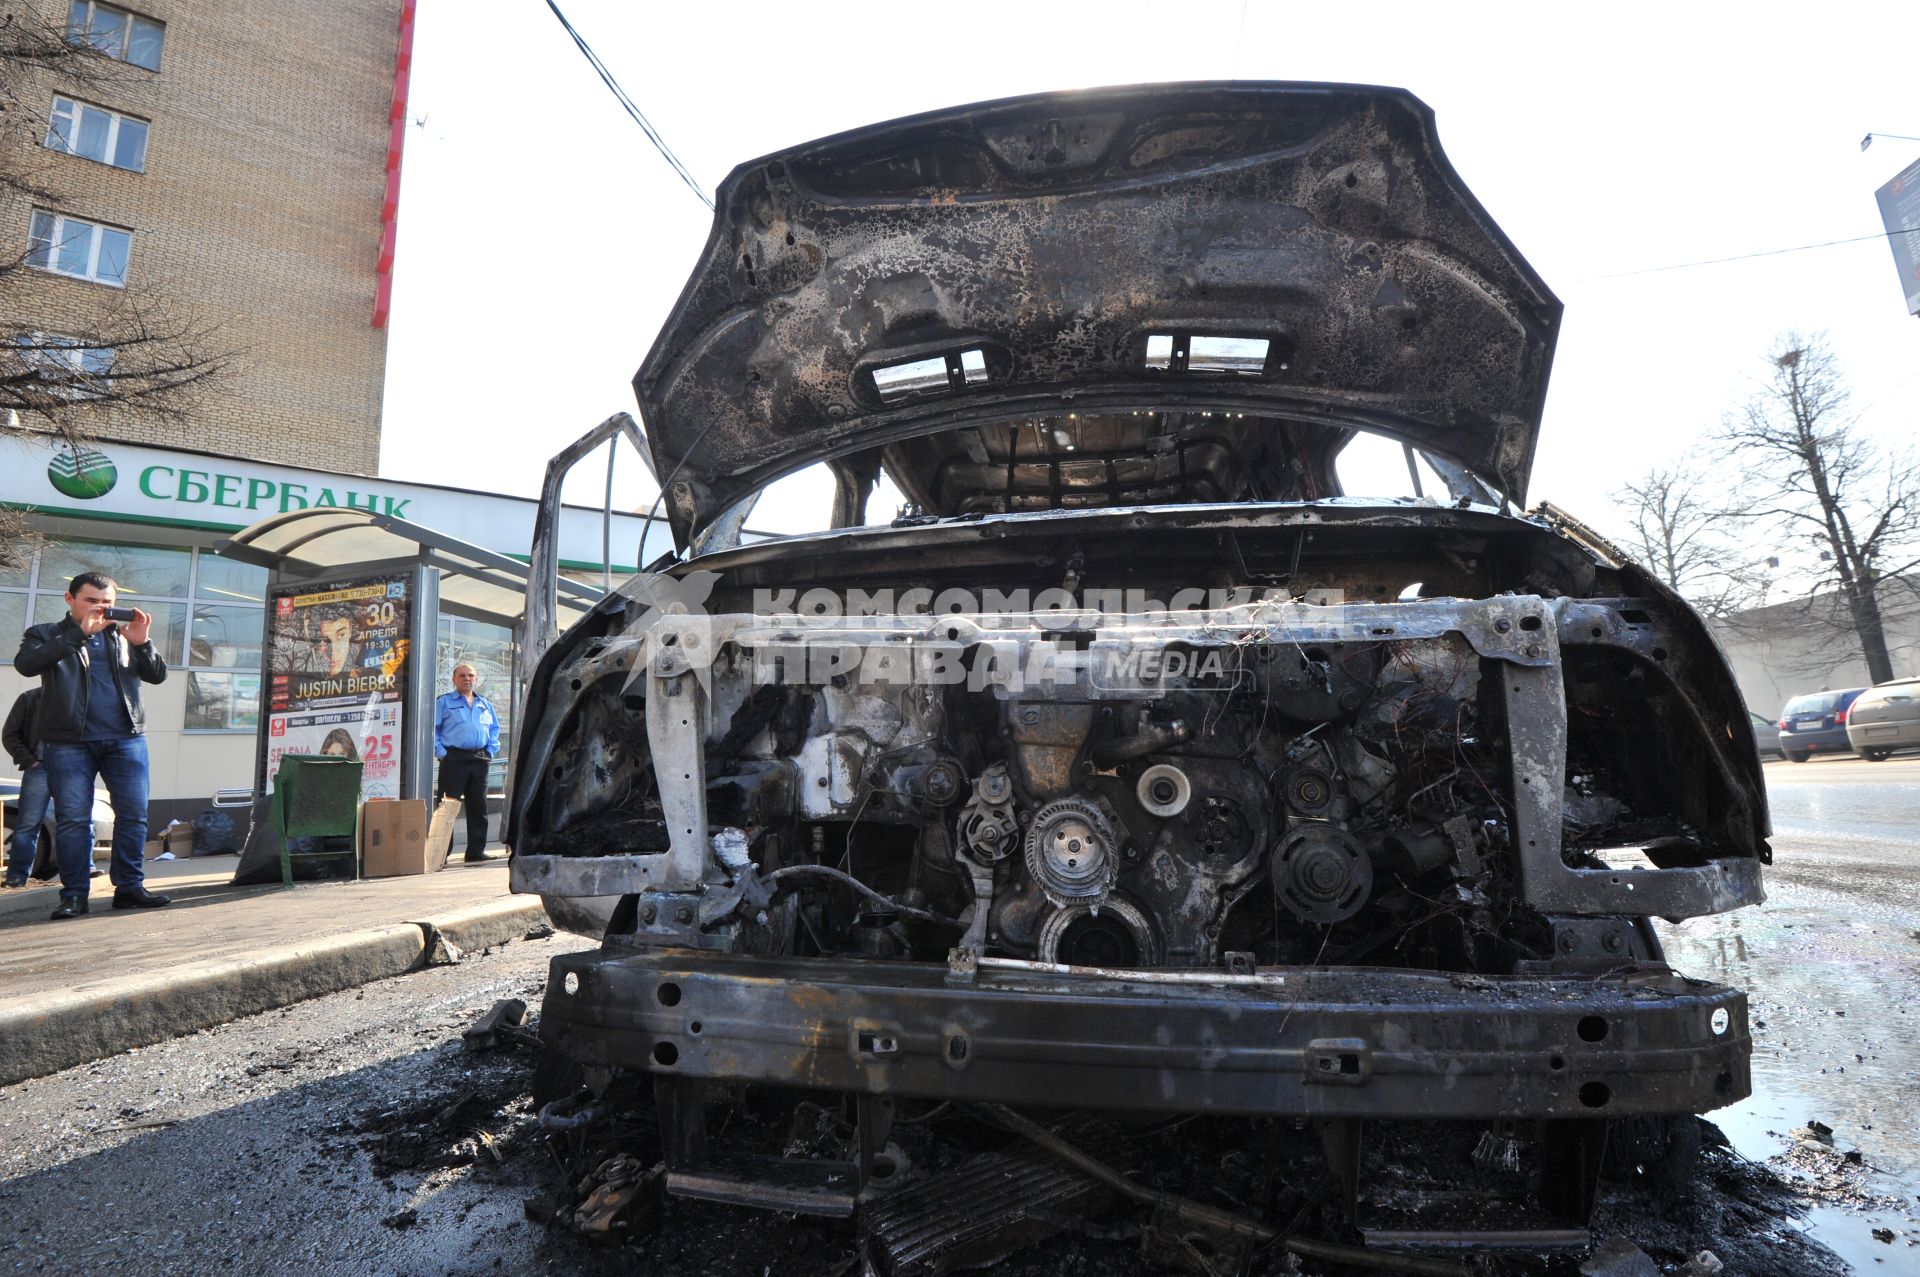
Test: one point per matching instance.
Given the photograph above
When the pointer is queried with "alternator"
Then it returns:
(1072, 851)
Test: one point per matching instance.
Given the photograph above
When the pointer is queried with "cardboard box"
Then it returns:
(178, 839)
(446, 819)
(393, 839)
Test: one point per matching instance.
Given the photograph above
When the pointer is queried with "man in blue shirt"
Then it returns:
(90, 723)
(466, 736)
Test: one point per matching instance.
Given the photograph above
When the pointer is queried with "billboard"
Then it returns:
(337, 669)
(1900, 210)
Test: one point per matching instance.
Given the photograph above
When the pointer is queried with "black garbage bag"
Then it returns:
(217, 833)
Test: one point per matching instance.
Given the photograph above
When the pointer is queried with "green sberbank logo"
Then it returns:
(82, 473)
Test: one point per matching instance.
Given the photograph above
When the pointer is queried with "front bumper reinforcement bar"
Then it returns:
(1326, 1042)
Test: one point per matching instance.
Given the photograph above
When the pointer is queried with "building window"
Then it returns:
(85, 250)
(223, 646)
(225, 636)
(223, 654)
(95, 133)
(116, 33)
(68, 367)
(219, 701)
(223, 657)
(218, 580)
(141, 571)
(13, 620)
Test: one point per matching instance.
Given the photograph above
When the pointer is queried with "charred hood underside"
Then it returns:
(1115, 297)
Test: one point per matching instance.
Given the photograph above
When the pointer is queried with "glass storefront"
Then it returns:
(490, 650)
(207, 615)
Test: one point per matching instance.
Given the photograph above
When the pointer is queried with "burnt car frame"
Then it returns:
(1164, 777)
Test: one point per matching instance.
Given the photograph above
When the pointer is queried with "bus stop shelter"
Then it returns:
(350, 650)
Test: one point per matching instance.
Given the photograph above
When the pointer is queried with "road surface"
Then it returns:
(1831, 965)
(299, 1140)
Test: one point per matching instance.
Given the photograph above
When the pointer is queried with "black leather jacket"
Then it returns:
(57, 653)
(21, 739)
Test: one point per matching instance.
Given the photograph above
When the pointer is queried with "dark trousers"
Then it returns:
(463, 775)
(35, 798)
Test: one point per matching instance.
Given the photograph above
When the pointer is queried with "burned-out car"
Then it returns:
(1133, 766)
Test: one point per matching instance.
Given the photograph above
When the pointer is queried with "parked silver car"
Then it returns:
(1885, 718)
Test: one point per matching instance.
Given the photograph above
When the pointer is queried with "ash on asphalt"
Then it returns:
(355, 1134)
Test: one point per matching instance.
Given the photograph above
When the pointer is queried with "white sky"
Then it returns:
(542, 239)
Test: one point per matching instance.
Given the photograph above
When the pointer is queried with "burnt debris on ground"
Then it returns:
(957, 1189)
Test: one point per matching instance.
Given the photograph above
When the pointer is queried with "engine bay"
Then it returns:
(1270, 776)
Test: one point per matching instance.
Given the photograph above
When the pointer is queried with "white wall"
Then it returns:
(1779, 652)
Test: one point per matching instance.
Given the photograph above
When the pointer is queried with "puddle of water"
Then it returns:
(1850, 1236)
(1836, 1025)
(1758, 1126)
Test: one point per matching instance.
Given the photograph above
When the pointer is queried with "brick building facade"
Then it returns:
(231, 169)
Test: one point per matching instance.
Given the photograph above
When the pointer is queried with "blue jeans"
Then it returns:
(122, 766)
(26, 832)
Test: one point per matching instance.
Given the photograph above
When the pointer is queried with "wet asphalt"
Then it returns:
(1831, 965)
(291, 1141)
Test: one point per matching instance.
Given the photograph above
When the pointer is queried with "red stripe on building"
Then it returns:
(396, 142)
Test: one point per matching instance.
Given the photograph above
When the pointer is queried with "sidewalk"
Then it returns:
(76, 990)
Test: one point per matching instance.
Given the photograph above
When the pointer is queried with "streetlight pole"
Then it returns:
(1867, 141)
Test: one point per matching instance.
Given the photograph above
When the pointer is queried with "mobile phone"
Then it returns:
(118, 614)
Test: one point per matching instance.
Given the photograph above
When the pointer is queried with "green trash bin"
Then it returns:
(316, 798)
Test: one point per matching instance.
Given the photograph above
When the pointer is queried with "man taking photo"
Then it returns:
(90, 724)
(466, 736)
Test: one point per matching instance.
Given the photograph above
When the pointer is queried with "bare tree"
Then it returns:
(1680, 528)
(138, 355)
(1812, 475)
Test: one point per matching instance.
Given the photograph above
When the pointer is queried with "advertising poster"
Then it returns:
(336, 665)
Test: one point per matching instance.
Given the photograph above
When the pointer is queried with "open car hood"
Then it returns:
(1116, 296)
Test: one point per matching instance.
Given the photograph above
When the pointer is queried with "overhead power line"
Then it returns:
(1741, 257)
(620, 94)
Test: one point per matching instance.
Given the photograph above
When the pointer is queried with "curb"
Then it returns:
(479, 926)
(45, 1034)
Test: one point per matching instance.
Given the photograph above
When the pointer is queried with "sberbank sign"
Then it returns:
(241, 492)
